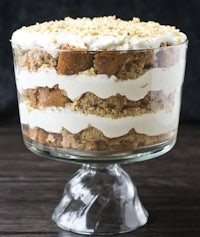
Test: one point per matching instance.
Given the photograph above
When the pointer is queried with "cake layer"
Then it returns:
(103, 86)
(53, 119)
(33, 59)
(123, 65)
(114, 107)
(70, 61)
(91, 139)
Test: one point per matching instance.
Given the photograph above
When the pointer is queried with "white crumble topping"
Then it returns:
(98, 33)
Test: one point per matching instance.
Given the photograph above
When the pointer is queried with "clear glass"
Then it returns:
(100, 108)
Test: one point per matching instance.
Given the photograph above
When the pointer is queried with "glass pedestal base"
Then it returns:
(102, 200)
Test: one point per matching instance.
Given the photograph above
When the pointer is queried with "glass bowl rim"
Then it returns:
(49, 49)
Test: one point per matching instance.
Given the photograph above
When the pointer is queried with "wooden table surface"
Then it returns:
(31, 186)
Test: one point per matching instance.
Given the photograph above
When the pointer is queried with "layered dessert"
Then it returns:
(101, 84)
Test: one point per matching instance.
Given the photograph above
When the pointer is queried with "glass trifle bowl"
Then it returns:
(99, 107)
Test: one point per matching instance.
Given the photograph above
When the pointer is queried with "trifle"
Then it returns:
(99, 91)
(97, 86)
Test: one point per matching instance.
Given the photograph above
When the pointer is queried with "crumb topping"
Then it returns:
(98, 33)
(104, 26)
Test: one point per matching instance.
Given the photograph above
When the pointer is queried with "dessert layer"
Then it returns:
(114, 106)
(71, 60)
(103, 86)
(99, 33)
(53, 119)
(91, 139)
(33, 59)
(131, 64)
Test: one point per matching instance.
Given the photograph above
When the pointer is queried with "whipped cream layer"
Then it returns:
(98, 33)
(52, 41)
(166, 79)
(53, 119)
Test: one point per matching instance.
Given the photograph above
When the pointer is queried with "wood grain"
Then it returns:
(31, 186)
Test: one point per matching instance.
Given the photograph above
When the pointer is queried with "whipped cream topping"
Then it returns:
(51, 42)
(99, 33)
(103, 86)
(55, 118)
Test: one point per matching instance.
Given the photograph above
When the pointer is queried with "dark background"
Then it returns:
(184, 14)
